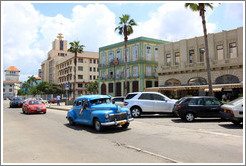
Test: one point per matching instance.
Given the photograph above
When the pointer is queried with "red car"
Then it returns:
(52, 101)
(33, 106)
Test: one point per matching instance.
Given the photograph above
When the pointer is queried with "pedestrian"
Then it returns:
(58, 98)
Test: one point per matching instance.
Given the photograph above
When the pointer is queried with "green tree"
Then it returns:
(75, 48)
(200, 7)
(92, 88)
(25, 86)
(125, 28)
(31, 80)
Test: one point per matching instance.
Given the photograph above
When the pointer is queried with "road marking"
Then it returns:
(147, 152)
(216, 133)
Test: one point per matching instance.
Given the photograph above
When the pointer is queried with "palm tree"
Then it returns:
(201, 8)
(25, 86)
(125, 28)
(31, 80)
(75, 48)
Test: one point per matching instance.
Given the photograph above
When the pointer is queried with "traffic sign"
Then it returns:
(67, 86)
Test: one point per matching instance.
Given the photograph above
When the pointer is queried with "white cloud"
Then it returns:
(172, 22)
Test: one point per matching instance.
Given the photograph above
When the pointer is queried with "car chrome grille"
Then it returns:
(117, 117)
(38, 107)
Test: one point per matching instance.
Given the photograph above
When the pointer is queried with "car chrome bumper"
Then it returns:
(116, 122)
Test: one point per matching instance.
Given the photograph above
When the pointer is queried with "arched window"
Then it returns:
(172, 82)
(197, 81)
(226, 79)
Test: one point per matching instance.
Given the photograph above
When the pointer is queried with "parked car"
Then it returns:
(98, 111)
(16, 102)
(33, 106)
(119, 101)
(233, 111)
(188, 108)
(52, 100)
(148, 102)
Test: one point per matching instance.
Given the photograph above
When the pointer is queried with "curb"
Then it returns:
(63, 109)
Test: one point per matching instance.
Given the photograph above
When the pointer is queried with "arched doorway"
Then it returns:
(227, 79)
(172, 82)
(197, 81)
(103, 89)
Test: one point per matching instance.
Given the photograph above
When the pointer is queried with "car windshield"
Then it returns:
(33, 102)
(236, 101)
(100, 101)
(17, 98)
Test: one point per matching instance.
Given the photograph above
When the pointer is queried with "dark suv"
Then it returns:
(188, 108)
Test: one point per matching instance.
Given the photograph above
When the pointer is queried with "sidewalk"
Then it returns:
(61, 107)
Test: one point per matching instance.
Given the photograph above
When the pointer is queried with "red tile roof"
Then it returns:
(38, 78)
(12, 68)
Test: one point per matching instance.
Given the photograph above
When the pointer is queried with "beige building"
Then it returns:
(11, 85)
(58, 68)
(183, 63)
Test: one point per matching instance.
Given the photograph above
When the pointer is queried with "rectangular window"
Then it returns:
(202, 53)
(90, 77)
(156, 53)
(233, 50)
(134, 53)
(191, 56)
(168, 59)
(177, 58)
(110, 87)
(94, 77)
(94, 61)
(80, 77)
(10, 90)
(3, 89)
(90, 60)
(80, 60)
(80, 85)
(90, 68)
(148, 53)
(61, 45)
(94, 69)
(220, 52)
(80, 68)
(118, 55)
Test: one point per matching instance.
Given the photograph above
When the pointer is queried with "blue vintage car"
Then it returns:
(98, 111)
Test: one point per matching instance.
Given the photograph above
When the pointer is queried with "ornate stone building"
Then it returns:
(182, 65)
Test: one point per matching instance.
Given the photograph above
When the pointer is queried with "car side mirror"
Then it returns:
(113, 101)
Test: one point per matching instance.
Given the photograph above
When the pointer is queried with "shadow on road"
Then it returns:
(199, 120)
(106, 130)
(232, 126)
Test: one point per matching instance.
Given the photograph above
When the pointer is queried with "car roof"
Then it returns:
(93, 97)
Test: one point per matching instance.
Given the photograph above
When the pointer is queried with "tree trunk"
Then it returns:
(206, 51)
(125, 38)
(74, 84)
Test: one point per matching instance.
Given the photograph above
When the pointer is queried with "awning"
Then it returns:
(214, 89)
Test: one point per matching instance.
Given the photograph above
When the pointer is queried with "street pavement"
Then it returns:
(48, 138)
(62, 106)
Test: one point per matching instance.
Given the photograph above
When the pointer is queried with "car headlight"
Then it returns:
(106, 116)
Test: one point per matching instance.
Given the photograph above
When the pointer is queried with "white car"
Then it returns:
(118, 101)
(233, 111)
(148, 102)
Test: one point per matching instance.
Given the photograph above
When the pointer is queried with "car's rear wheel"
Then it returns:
(189, 117)
(136, 112)
(97, 124)
(71, 122)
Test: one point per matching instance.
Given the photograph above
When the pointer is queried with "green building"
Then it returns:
(142, 61)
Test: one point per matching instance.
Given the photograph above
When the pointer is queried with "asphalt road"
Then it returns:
(48, 138)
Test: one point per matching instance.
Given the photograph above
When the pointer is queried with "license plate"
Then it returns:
(122, 123)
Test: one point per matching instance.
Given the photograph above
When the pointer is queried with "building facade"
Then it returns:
(183, 63)
(58, 68)
(11, 85)
(142, 61)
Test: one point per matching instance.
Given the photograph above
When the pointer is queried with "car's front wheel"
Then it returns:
(125, 126)
(136, 112)
(189, 117)
(97, 124)
(71, 122)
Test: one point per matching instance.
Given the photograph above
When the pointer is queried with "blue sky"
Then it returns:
(28, 29)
